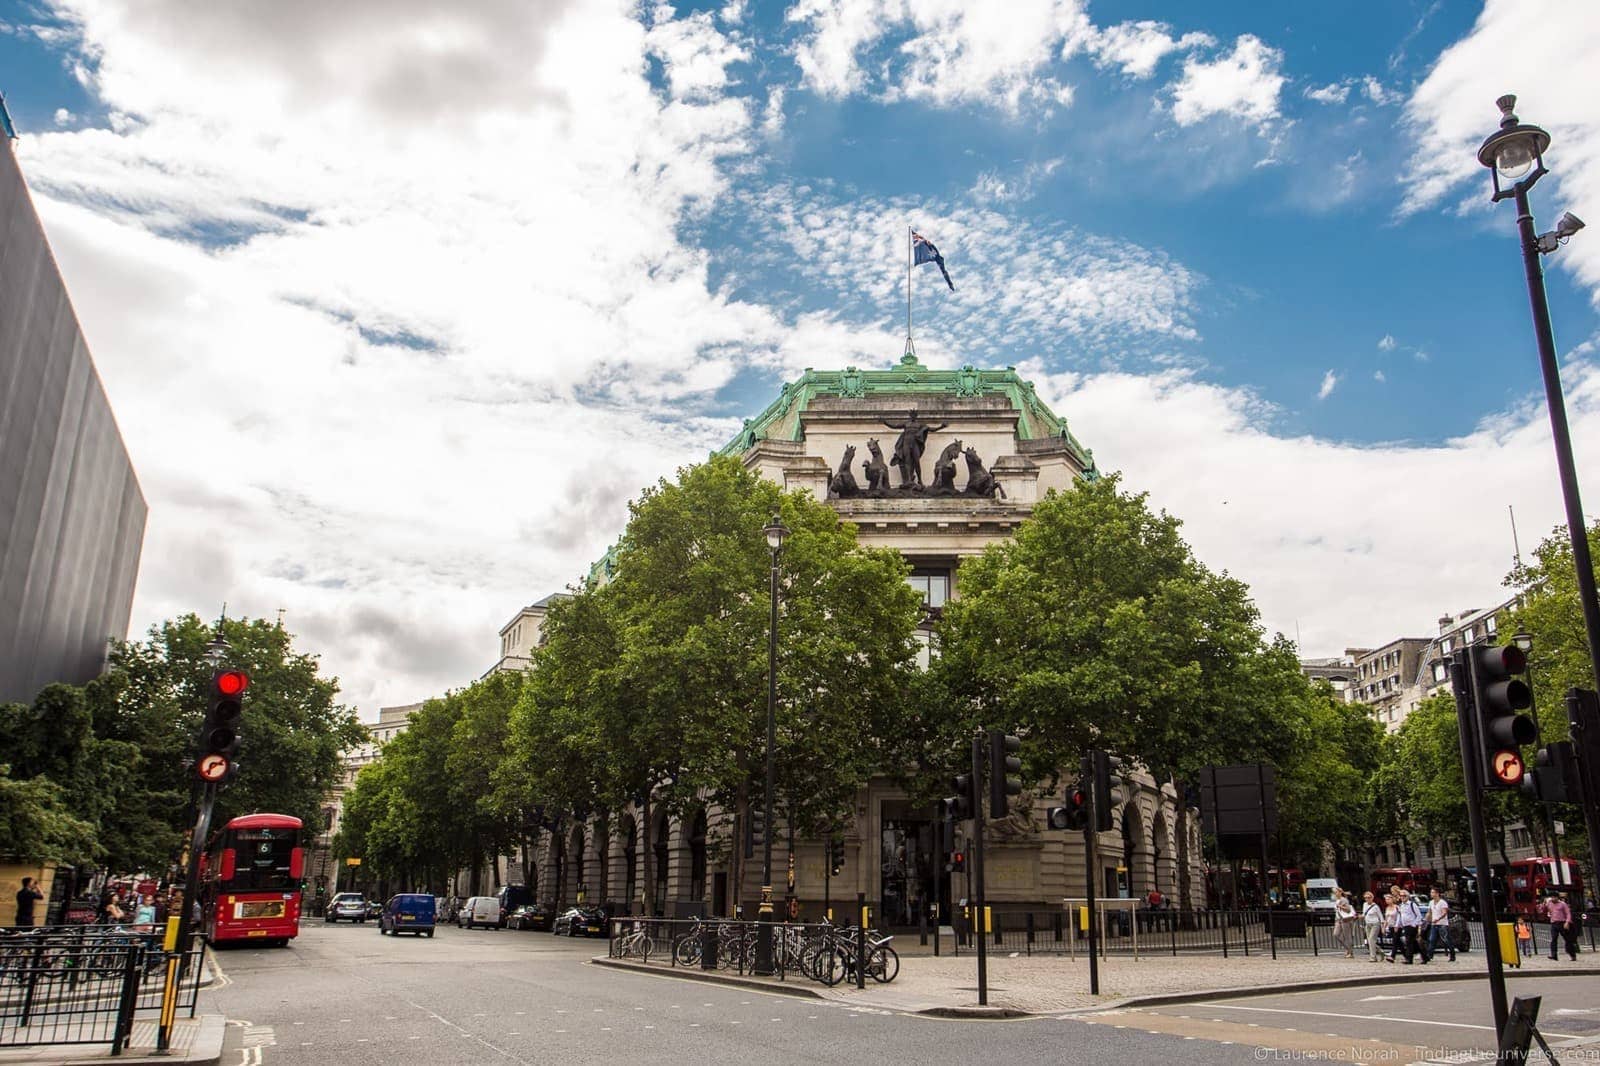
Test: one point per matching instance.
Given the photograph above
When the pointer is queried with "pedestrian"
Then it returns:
(1524, 936)
(1344, 923)
(1439, 926)
(1391, 914)
(27, 896)
(1562, 927)
(1372, 920)
(144, 916)
(1407, 922)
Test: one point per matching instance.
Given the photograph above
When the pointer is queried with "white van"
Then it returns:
(479, 910)
(1319, 897)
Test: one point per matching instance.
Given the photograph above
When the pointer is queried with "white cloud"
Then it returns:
(840, 30)
(63, 117)
(1020, 285)
(993, 187)
(1137, 47)
(455, 323)
(1245, 83)
(772, 117)
(1374, 90)
(694, 52)
(1511, 48)
(957, 53)
(1336, 93)
(1386, 343)
(1378, 376)
(1330, 381)
(1352, 576)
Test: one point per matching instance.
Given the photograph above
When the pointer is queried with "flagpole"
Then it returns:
(909, 346)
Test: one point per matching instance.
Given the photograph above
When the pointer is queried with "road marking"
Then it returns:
(1363, 1018)
(1409, 995)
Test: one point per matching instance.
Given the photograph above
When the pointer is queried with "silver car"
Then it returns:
(346, 907)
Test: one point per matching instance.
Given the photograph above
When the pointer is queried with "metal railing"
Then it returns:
(84, 984)
(820, 951)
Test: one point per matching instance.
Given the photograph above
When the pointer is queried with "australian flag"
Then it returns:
(923, 251)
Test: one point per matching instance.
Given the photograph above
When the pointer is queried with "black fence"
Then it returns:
(85, 984)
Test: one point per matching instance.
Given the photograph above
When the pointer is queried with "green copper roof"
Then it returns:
(1035, 421)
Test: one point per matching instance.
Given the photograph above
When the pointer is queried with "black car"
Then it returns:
(531, 916)
(580, 921)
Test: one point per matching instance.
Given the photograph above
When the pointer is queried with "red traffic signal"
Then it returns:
(1507, 768)
(232, 683)
(1499, 698)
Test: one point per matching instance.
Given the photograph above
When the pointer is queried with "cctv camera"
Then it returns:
(1568, 224)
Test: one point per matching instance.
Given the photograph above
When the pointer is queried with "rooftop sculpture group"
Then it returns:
(907, 455)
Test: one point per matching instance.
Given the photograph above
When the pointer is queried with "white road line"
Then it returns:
(1363, 1018)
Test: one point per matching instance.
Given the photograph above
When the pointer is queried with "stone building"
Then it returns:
(992, 450)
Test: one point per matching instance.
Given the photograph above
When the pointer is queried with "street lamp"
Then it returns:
(775, 532)
(1514, 154)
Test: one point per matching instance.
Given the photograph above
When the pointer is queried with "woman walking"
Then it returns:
(1372, 919)
(1344, 923)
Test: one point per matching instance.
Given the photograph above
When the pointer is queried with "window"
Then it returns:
(1467, 635)
(1444, 646)
(934, 586)
(1490, 626)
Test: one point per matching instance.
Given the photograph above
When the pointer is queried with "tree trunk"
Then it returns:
(1185, 900)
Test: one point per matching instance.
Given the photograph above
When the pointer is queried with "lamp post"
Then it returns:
(775, 532)
(1514, 154)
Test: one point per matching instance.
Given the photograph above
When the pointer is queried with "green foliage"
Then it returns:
(37, 824)
(1097, 626)
(293, 729)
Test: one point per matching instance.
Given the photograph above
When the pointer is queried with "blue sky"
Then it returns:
(1249, 256)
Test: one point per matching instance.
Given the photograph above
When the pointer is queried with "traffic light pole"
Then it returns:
(979, 911)
(1583, 718)
(1091, 838)
(1472, 774)
(179, 928)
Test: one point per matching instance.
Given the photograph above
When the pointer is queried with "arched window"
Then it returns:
(630, 861)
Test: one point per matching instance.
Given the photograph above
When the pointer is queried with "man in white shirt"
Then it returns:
(1406, 925)
(1438, 927)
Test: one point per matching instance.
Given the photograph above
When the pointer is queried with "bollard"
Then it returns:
(861, 941)
(708, 948)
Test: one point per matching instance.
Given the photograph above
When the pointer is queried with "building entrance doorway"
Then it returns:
(913, 876)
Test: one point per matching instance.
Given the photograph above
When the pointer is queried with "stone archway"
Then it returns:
(1136, 851)
(660, 858)
(575, 874)
(1163, 857)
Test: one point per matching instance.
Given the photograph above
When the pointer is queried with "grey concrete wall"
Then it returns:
(72, 515)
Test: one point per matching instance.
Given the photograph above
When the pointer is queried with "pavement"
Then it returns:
(196, 1041)
(1046, 984)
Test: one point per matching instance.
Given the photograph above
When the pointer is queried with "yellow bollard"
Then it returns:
(1508, 944)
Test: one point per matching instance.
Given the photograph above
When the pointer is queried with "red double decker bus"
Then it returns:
(250, 880)
(1528, 881)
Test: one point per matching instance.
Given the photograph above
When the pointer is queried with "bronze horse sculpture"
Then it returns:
(877, 470)
(944, 470)
(843, 482)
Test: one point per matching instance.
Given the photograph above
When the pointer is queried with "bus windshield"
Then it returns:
(262, 860)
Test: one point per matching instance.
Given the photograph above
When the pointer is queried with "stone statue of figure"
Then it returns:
(909, 447)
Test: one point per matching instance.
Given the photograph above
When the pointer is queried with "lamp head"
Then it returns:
(1514, 150)
(1567, 225)
(775, 531)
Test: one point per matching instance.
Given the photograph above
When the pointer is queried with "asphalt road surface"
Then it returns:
(343, 994)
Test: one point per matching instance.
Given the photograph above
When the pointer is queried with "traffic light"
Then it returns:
(1108, 790)
(218, 760)
(1499, 697)
(1075, 815)
(1553, 778)
(960, 806)
(757, 836)
(835, 856)
(1003, 763)
(958, 862)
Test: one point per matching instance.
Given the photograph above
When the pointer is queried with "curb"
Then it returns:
(1315, 986)
(684, 973)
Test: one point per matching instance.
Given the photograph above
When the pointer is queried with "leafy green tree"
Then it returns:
(658, 681)
(1327, 786)
(293, 727)
(1096, 626)
(37, 824)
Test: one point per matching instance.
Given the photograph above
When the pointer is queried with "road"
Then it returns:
(343, 994)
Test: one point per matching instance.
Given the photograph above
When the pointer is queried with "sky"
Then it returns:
(398, 304)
